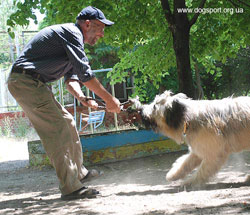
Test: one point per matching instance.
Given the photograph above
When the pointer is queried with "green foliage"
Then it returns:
(231, 78)
(7, 7)
(144, 41)
(218, 36)
(4, 58)
(102, 55)
(148, 73)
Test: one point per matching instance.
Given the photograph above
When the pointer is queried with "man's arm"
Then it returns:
(112, 104)
(74, 87)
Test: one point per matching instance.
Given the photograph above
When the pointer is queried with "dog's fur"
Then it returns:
(213, 129)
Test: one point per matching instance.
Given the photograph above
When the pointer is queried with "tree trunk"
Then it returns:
(179, 25)
(180, 34)
(181, 48)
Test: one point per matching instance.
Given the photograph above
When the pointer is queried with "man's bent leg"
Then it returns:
(76, 143)
(38, 104)
(83, 174)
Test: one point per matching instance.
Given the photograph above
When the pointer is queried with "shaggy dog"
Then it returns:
(213, 129)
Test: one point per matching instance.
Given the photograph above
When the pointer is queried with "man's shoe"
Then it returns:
(82, 193)
(92, 174)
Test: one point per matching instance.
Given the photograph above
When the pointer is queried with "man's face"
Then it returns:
(95, 32)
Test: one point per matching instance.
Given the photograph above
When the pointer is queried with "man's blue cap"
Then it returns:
(93, 13)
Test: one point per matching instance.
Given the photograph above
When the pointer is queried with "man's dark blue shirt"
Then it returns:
(57, 51)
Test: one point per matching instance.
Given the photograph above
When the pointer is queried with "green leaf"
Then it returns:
(11, 33)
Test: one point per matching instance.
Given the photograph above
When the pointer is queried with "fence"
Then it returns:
(9, 50)
(7, 102)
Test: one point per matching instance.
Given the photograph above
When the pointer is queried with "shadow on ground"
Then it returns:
(134, 187)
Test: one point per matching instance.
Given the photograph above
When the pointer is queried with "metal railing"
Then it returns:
(88, 94)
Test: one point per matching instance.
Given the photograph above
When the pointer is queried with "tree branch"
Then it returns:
(195, 17)
(167, 12)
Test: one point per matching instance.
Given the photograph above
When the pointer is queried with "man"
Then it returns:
(54, 52)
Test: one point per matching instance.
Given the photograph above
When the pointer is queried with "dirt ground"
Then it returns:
(134, 187)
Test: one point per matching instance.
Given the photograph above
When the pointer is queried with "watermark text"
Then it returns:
(231, 11)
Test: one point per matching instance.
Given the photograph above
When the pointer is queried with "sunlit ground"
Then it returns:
(134, 187)
(13, 149)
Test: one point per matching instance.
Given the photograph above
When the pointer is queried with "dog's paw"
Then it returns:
(169, 177)
(172, 176)
(189, 185)
(193, 182)
(175, 174)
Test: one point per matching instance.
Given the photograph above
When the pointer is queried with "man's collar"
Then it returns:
(78, 26)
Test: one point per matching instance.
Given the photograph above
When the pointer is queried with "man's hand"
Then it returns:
(89, 103)
(113, 105)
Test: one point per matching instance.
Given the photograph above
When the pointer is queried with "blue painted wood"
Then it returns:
(109, 140)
